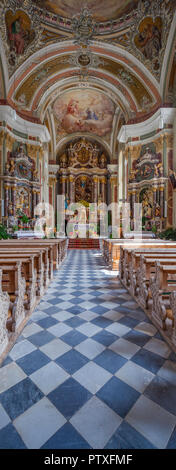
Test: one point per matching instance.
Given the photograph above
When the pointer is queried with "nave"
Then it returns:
(89, 369)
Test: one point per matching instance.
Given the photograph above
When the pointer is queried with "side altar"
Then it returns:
(21, 187)
(147, 185)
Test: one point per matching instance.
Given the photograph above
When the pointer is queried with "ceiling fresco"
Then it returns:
(121, 54)
(129, 80)
(37, 79)
(83, 111)
(101, 10)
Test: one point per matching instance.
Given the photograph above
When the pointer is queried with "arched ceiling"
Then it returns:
(102, 10)
(98, 66)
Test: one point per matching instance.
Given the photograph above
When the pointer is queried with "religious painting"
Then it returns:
(146, 198)
(19, 31)
(86, 111)
(83, 189)
(147, 166)
(2, 88)
(23, 200)
(148, 40)
(101, 10)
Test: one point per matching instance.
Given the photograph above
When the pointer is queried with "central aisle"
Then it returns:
(89, 370)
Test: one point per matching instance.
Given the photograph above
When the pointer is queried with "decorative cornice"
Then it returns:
(53, 169)
(15, 122)
(158, 121)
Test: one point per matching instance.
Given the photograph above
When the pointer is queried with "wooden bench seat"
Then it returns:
(14, 284)
(25, 244)
(41, 262)
(129, 259)
(30, 275)
(4, 310)
(111, 248)
(161, 287)
(57, 249)
(26, 268)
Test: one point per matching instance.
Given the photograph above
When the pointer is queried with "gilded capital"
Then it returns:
(169, 140)
(2, 134)
(159, 143)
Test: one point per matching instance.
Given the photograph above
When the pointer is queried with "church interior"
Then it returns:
(87, 313)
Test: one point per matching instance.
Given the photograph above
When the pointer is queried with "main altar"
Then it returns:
(85, 172)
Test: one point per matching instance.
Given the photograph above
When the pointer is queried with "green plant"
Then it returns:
(4, 235)
(143, 221)
(168, 234)
(15, 228)
(24, 219)
(109, 218)
(154, 229)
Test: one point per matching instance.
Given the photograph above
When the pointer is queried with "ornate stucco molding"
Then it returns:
(161, 118)
(8, 115)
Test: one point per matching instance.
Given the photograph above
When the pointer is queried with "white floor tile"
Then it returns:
(55, 348)
(31, 329)
(135, 376)
(159, 347)
(10, 375)
(59, 329)
(168, 372)
(49, 377)
(96, 422)
(4, 418)
(118, 329)
(62, 316)
(89, 329)
(152, 421)
(92, 377)
(90, 348)
(42, 417)
(146, 328)
(21, 349)
(124, 348)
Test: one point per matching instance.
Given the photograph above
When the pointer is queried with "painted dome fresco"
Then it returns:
(102, 10)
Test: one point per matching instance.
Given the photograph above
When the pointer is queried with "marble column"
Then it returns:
(72, 188)
(37, 197)
(113, 183)
(133, 200)
(33, 201)
(6, 199)
(14, 193)
(154, 200)
(161, 189)
(103, 189)
(95, 189)
(63, 181)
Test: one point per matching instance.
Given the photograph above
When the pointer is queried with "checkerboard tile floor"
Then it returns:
(89, 369)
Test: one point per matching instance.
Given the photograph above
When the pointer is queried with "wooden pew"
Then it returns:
(35, 244)
(172, 299)
(41, 264)
(15, 285)
(58, 247)
(30, 275)
(161, 287)
(128, 264)
(132, 274)
(114, 246)
(145, 271)
(4, 308)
